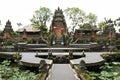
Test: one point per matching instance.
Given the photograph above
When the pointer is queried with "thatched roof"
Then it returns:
(28, 28)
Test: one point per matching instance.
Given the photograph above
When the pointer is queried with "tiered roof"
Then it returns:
(58, 19)
(28, 28)
(8, 27)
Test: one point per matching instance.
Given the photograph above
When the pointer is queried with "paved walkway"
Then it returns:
(92, 58)
(62, 72)
(30, 59)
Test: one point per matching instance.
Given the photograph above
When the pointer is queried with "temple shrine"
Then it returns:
(84, 38)
(7, 30)
(8, 27)
(58, 28)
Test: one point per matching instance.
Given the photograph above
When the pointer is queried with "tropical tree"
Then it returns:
(107, 22)
(40, 19)
(102, 25)
(76, 16)
(117, 21)
(91, 19)
(79, 18)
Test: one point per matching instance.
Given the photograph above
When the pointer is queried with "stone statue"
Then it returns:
(82, 66)
(43, 66)
(70, 54)
(50, 56)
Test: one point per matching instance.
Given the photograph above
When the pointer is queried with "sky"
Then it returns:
(21, 11)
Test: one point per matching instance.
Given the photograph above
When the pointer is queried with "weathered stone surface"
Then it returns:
(82, 66)
(43, 66)
(62, 72)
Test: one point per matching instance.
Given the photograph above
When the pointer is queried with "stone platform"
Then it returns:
(91, 59)
(29, 59)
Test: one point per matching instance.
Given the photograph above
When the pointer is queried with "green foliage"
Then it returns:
(111, 56)
(17, 57)
(40, 76)
(102, 25)
(41, 17)
(117, 42)
(110, 71)
(28, 41)
(14, 33)
(8, 72)
(78, 17)
(86, 76)
(86, 26)
(7, 42)
(91, 18)
(98, 41)
(94, 75)
(117, 22)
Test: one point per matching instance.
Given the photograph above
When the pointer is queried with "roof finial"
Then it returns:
(58, 8)
(8, 22)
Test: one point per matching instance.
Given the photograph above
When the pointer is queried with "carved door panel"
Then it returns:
(58, 34)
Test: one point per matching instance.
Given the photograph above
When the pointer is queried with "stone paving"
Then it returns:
(29, 57)
(90, 58)
(62, 72)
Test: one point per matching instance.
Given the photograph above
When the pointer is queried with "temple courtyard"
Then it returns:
(36, 53)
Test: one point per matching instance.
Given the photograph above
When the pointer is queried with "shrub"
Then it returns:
(28, 41)
(85, 76)
(111, 56)
(7, 42)
(109, 71)
(117, 42)
(8, 72)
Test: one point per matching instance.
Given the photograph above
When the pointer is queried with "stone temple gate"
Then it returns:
(58, 28)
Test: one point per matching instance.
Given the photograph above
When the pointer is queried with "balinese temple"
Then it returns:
(58, 28)
(29, 32)
(87, 32)
(7, 30)
(8, 27)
